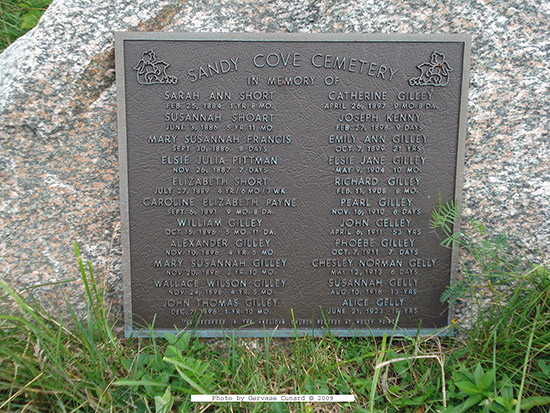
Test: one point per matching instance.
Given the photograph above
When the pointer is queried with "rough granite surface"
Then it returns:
(58, 155)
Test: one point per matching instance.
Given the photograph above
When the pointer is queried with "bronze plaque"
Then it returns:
(280, 183)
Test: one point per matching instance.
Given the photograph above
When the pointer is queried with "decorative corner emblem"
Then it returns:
(436, 72)
(150, 70)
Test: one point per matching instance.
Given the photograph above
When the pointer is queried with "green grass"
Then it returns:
(17, 17)
(502, 364)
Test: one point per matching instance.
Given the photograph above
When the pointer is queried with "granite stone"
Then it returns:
(58, 155)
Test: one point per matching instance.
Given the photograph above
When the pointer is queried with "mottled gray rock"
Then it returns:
(59, 168)
(59, 147)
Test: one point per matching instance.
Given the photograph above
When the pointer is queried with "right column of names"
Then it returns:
(378, 155)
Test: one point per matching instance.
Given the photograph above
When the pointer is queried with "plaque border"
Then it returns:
(121, 37)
